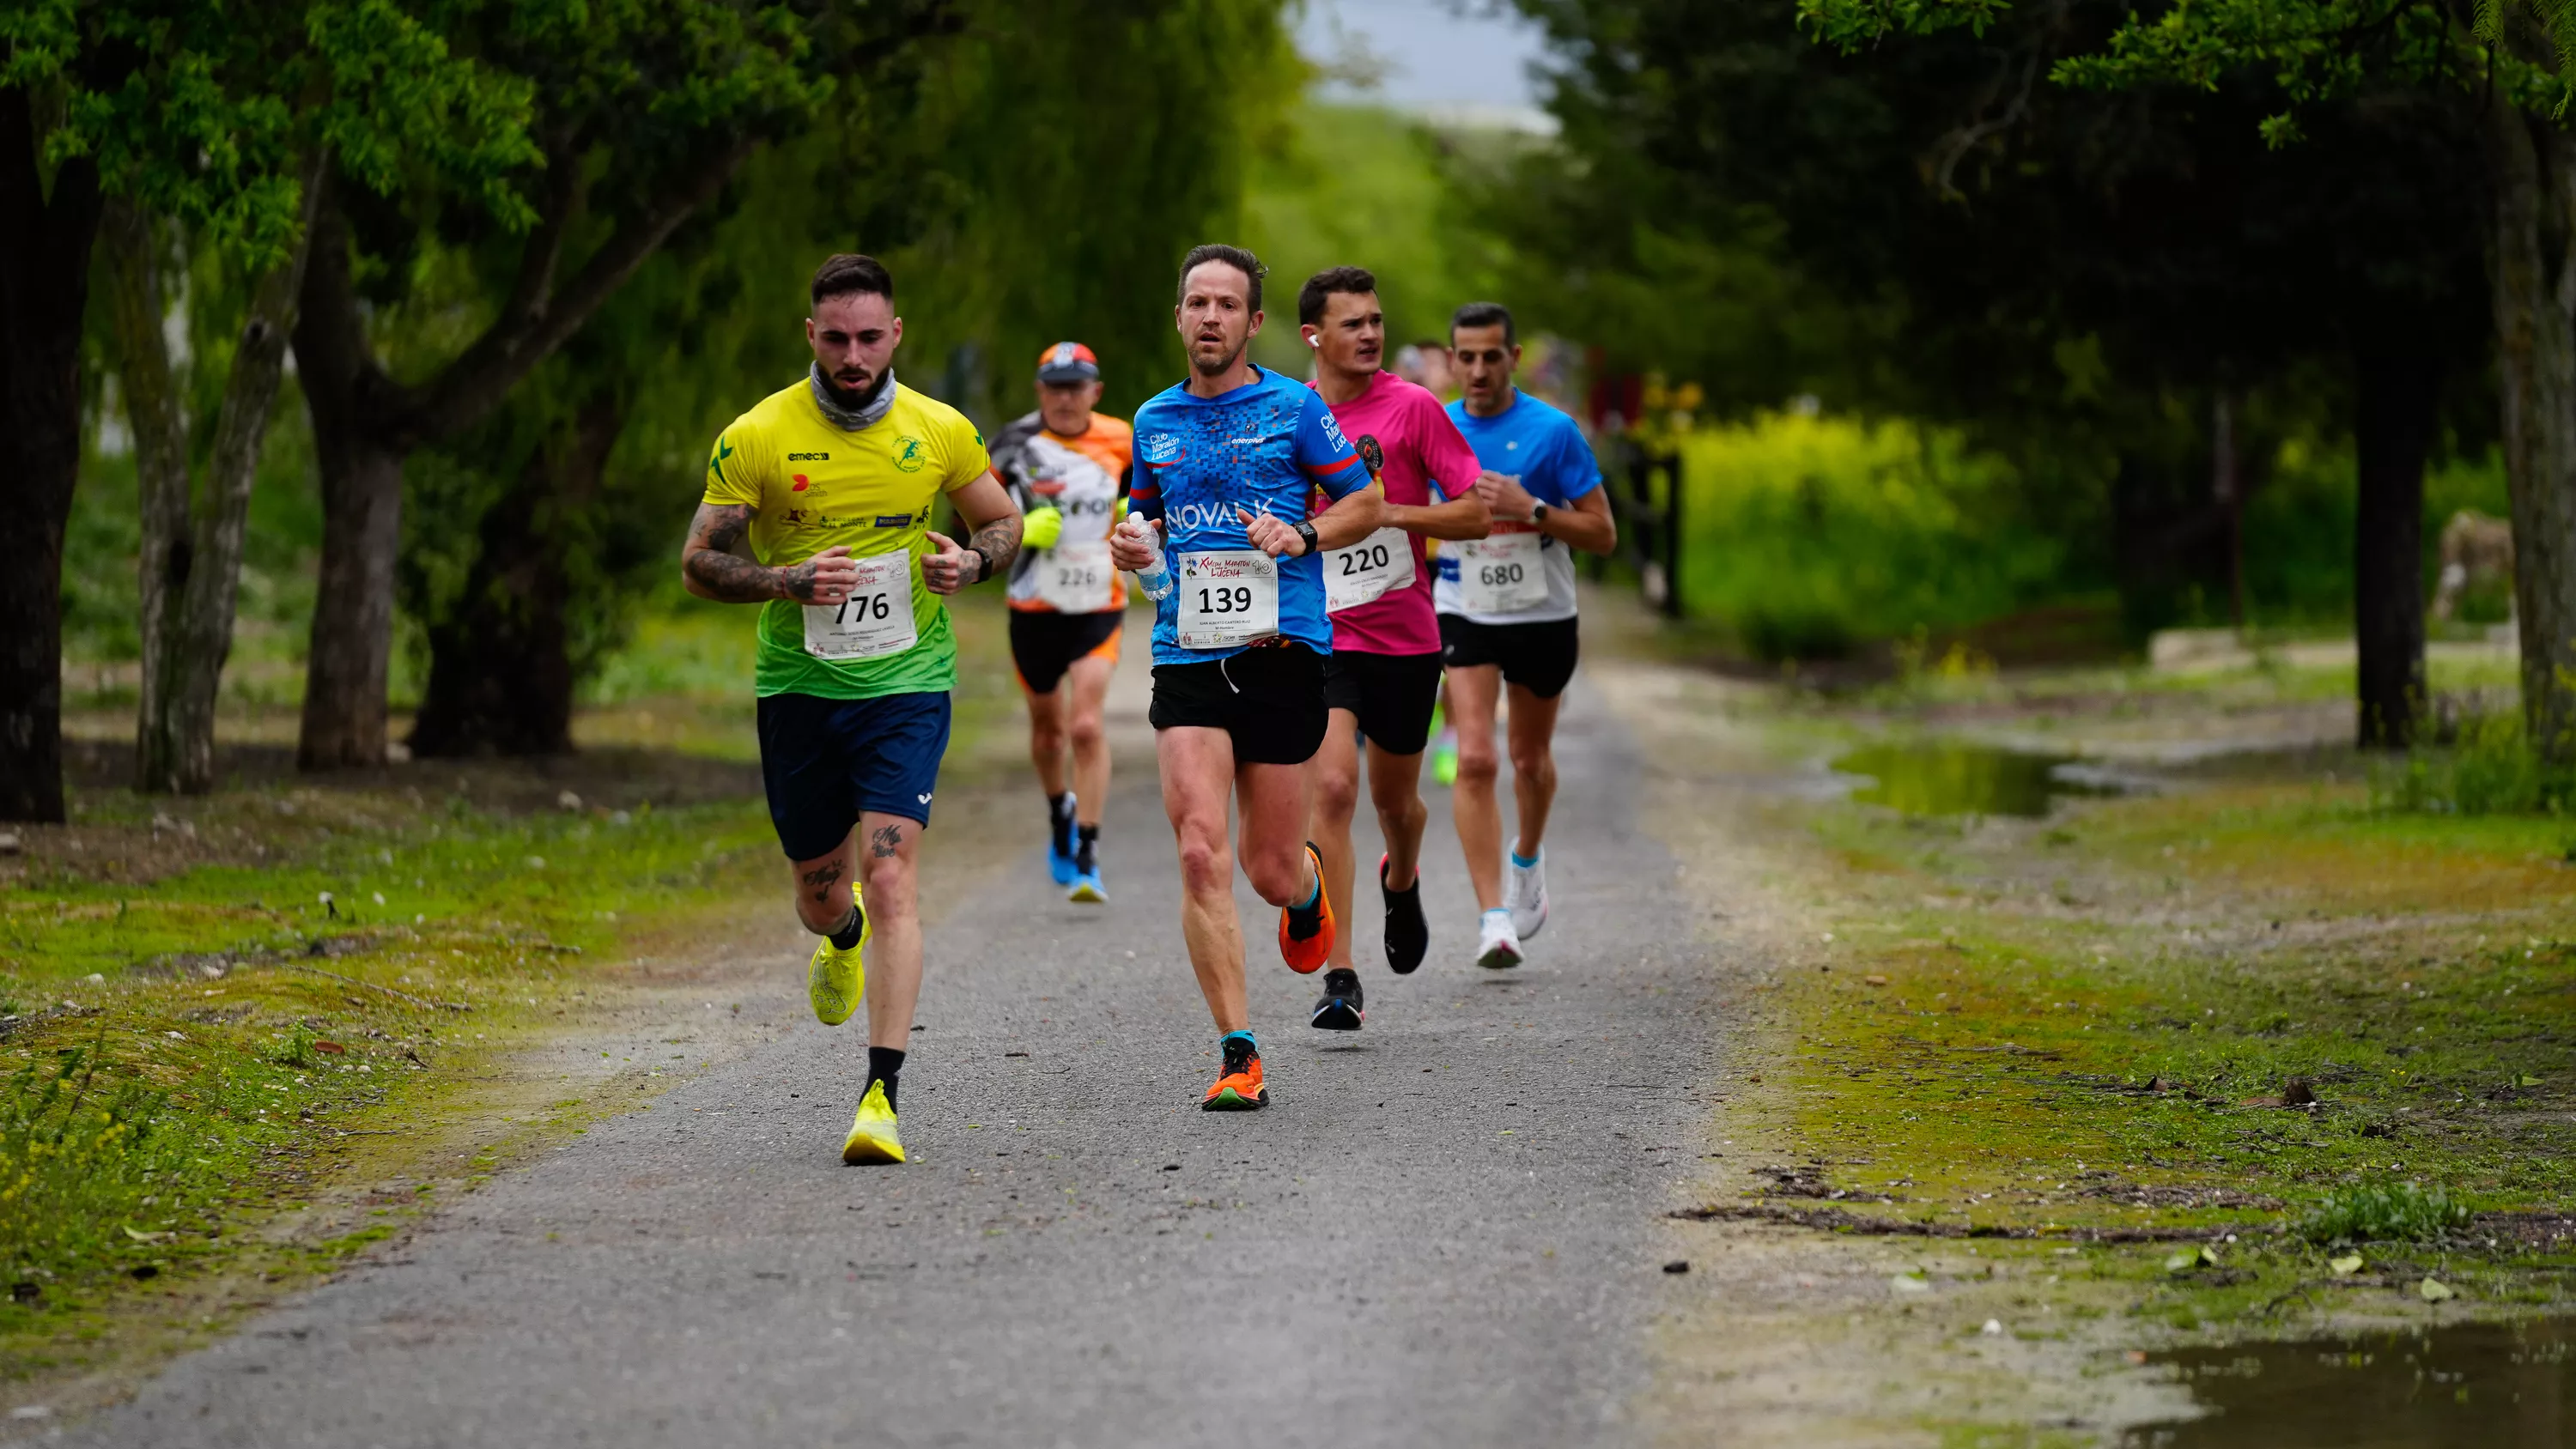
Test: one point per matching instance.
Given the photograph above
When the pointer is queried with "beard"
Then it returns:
(1200, 361)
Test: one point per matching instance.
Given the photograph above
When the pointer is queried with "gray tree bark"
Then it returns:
(2533, 274)
(191, 553)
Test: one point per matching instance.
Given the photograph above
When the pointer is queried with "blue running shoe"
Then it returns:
(1087, 888)
(1060, 861)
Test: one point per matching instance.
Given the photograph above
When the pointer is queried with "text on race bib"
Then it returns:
(1367, 570)
(1073, 577)
(874, 621)
(1227, 597)
(1502, 574)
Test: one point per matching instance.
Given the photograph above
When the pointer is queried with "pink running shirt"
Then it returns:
(1404, 432)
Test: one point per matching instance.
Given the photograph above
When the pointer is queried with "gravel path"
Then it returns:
(1442, 1232)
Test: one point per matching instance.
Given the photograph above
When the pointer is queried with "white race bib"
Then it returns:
(1369, 569)
(1227, 597)
(876, 619)
(1073, 577)
(1501, 574)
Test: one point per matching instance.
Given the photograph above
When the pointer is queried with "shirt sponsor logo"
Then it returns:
(1371, 453)
(801, 484)
(809, 457)
(1211, 516)
(893, 520)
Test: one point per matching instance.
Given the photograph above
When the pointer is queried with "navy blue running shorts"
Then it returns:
(824, 761)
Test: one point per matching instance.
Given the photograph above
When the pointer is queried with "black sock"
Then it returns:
(845, 936)
(1060, 822)
(884, 1065)
(1086, 848)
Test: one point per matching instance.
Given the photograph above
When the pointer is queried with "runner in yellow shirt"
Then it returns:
(833, 482)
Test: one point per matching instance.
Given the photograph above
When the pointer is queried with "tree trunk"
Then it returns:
(2533, 277)
(46, 233)
(501, 672)
(203, 635)
(138, 312)
(2397, 406)
(361, 467)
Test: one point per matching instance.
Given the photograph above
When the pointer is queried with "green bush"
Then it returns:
(2399, 1212)
(1808, 535)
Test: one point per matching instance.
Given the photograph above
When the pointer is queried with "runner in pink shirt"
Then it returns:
(1383, 676)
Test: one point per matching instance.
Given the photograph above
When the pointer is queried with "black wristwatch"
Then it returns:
(1306, 531)
(983, 566)
(1538, 514)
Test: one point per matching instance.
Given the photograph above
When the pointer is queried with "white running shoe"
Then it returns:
(1525, 892)
(1498, 946)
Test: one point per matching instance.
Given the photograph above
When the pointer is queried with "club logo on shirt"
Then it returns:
(1161, 448)
(1333, 433)
(1371, 453)
(909, 455)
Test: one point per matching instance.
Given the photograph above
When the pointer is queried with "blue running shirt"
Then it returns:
(1535, 442)
(1265, 447)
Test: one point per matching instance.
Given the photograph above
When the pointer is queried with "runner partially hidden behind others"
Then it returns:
(1224, 536)
(832, 482)
(1067, 468)
(1507, 618)
(1382, 679)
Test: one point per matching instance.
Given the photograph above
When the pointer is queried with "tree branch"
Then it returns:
(477, 380)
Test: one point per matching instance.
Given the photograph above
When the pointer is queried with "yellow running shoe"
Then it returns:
(836, 977)
(872, 1134)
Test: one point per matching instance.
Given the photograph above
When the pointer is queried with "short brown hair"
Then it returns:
(1311, 297)
(1235, 257)
(844, 273)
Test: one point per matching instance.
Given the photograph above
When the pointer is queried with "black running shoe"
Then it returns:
(1408, 935)
(1341, 1009)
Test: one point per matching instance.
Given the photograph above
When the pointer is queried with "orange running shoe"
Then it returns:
(1238, 1084)
(1306, 943)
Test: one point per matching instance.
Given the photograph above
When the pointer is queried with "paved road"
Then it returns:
(1441, 1233)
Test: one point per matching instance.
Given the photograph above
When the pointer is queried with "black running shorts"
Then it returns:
(1537, 657)
(1392, 694)
(1270, 699)
(1044, 643)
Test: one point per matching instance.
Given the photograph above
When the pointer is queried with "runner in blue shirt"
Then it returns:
(1228, 465)
(1506, 606)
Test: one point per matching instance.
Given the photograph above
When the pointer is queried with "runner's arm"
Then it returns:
(1462, 517)
(1354, 516)
(994, 524)
(710, 570)
(1585, 523)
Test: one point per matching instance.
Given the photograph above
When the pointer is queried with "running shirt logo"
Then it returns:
(1333, 434)
(909, 456)
(1161, 448)
(1371, 453)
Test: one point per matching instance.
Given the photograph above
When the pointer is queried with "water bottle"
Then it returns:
(1156, 578)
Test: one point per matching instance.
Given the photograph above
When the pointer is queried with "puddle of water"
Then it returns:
(1954, 777)
(2492, 1385)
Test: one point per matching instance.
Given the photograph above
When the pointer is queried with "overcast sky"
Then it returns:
(1440, 54)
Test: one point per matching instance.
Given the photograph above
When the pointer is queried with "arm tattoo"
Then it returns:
(885, 841)
(733, 580)
(998, 541)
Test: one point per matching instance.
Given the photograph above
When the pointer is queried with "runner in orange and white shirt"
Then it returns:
(1068, 467)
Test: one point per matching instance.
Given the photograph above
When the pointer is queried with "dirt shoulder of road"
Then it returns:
(1992, 1079)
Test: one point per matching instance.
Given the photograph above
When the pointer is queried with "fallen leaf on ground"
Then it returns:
(333, 1047)
(2434, 1290)
(2348, 1263)
(1874, 979)
(1908, 1283)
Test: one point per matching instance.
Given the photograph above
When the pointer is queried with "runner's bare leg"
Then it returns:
(1472, 696)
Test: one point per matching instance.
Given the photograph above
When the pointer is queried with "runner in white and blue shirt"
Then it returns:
(1507, 617)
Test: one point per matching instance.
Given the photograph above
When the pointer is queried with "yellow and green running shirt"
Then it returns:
(811, 485)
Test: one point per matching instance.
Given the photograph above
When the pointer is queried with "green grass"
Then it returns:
(2123, 999)
(2373, 1212)
(184, 1047)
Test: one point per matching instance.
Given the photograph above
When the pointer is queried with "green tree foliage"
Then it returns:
(1022, 199)
(2502, 70)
